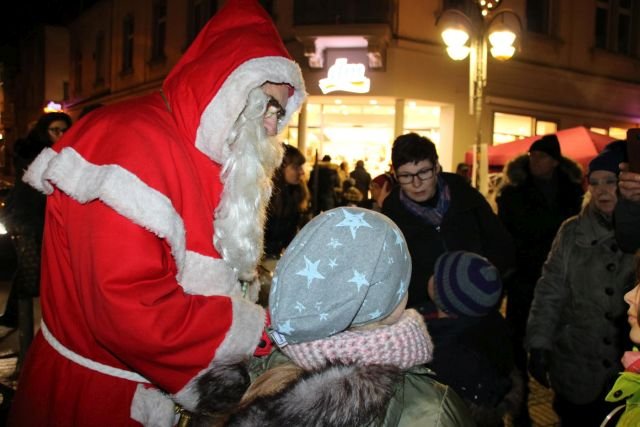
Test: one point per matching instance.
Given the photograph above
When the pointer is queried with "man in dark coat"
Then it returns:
(362, 179)
(540, 190)
(439, 212)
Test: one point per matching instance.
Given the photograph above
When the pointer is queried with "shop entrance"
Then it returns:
(353, 128)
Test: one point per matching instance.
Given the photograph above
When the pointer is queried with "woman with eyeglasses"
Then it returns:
(577, 323)
(438, 212)
(24, 217)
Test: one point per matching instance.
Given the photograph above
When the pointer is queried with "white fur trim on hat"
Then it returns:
(229, 101)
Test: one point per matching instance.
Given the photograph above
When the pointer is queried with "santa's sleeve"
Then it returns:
(138, 311)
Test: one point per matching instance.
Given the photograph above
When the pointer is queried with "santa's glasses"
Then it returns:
(274, 108)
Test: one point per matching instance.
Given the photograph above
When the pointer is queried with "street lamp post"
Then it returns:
(478, 23)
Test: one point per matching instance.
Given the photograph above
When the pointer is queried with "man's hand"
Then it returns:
(629, 183)
(539, 365)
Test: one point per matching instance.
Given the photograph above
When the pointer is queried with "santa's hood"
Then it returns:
(238, 50)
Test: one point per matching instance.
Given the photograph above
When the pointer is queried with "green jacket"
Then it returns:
(627, 387)
(348, 395)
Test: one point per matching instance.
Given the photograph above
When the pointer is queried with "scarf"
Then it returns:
(404, 344)
(428, 214)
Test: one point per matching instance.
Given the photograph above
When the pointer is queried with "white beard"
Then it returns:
(251, 157)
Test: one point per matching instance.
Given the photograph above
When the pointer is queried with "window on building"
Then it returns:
(127, 44)
(617, 26)
(99, 56)
(510, 127)
(77, 72)
(199, 12)
(314, 12)
(538, 16)
(159, 28)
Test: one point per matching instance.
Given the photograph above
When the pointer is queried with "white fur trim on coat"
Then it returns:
(152, 408)
(132, 198)
(242, 338)
(230, 100)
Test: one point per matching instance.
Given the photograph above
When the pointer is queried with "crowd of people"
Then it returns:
(144, 225)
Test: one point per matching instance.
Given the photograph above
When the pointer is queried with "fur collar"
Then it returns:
(516, 172)
(337, 396)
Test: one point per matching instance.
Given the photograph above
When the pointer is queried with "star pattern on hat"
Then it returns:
(400, 291)
(334, 243)
(399, 239)
(359, 279)
(285, 327)
(300, 307)
(324, 316)
(375, 314)
(353, 221)
(310, 271)
(332, 263)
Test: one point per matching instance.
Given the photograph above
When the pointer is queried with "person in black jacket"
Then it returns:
(288, 204)
(471, 338)
(438, 212)
(539, 191)
(627, 213)
(25, 217)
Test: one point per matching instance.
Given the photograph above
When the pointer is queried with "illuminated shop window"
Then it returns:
(511, 127)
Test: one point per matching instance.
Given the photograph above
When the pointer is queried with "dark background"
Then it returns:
(19, 17)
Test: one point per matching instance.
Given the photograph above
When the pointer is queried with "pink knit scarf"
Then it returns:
(404, 344)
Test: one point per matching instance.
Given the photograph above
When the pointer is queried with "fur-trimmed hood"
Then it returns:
(335, 396)
(516, 172)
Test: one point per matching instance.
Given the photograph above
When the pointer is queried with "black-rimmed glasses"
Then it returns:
(274, 107)
(422, 174)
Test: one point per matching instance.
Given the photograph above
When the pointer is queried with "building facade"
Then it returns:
(578, 64)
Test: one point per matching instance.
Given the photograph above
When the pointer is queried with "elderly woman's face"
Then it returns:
(603, 186)
(418, 180)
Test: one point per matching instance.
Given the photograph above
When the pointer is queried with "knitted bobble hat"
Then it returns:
(466, 284)
(346, 267)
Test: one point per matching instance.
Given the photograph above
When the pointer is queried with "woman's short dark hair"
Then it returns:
(412, 148)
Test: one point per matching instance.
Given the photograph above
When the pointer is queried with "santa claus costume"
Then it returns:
(153, 224)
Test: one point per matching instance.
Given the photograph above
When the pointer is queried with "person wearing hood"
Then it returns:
(154, 229)
(350, 354)
(576, 328)
(24, 217)
(539, 191)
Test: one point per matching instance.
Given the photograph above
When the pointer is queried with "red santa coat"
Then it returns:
(137, 302)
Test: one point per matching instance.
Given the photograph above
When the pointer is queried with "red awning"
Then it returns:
(579, 144)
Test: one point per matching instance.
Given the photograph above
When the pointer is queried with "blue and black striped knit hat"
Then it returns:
(466, 284)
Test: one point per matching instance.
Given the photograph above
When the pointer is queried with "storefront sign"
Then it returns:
(53, 107)
(345, 77)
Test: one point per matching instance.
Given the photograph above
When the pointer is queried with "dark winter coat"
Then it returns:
(363, 180)
(468, 225)
(351, 396)
(529, 217)
(284, 218)
(627, 225)
(578, 312)
(323, 182)
(473, 356)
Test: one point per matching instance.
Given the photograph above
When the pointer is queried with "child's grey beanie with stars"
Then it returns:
(347, 267)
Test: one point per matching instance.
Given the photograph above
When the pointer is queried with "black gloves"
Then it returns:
(539, 365)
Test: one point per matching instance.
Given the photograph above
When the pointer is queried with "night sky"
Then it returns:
(20, 16)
